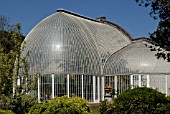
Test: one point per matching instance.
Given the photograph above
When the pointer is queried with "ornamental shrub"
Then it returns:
(38, 108)
(65, 105)
(141, 100)
(62, 105)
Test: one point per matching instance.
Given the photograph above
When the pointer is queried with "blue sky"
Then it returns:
(126, 13)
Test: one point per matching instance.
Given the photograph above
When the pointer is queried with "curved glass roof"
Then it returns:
(69, 43)
(136, 58)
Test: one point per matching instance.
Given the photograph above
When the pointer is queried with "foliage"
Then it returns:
(7, 40)
(6, 72)
(34, 84)
(141, 100)
(18, 104)
(38, 108)
(63, 105)
(11, 61)
(4, 23)
(160, 9)
(10, 43)
(105, 107)
(168, 98)
(13, 66)
(6, 112)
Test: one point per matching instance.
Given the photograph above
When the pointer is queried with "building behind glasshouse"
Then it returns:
(92, 58)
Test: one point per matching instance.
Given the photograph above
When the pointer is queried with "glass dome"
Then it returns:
(65, 42)
(136, 58)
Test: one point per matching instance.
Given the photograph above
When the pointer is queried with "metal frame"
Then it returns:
(78, 55)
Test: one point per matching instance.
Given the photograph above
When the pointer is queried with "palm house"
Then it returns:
(92, 58)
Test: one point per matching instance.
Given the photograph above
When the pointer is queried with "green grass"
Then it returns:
(96, 111)
(95, 108)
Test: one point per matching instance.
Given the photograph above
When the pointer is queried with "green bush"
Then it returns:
(26, 102)
(62, 105)
(4, 101)
(38, 108)
(18, 104)
(138, 100)
(168, 98)
(141, 100)
(105, 107)
(6, 112)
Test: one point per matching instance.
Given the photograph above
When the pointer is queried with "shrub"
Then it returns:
(4, 101)
(138, 100)
(19, 104)
(62, 105)
(141, 100)
(6, 112)
(105, 107)
(26, 102)
(168, 98)
(38, 108)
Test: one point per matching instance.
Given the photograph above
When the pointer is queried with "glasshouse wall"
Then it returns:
(56, 85)
(92, 58)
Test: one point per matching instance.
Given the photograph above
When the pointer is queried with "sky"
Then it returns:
(126, 13)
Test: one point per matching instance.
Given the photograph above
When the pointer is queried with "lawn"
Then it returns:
(95, 108)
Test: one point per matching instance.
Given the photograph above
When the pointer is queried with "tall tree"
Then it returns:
(160, 9)
(4, 23)
(10, 51)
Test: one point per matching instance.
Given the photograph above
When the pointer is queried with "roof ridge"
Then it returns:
(75, 14)
(97, 20)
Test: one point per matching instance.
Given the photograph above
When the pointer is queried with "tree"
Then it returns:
(4, 23)
(13, 66)
(160, 9)
(6, 72)
(10, 51)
